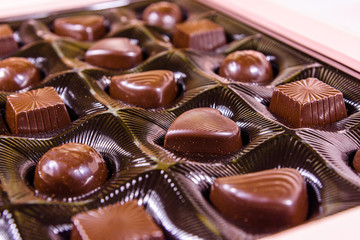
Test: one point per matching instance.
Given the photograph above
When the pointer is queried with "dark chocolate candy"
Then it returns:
(116, 222)
(247, 66)
(70, 170)
(205, 131)
(262, 202)
(82, 28)
(36, 111)
(162, 14)
(17, 73)
(151, 89)
(8, 44)
(308, 103)
(114, 53)
(356, 161)
(202, 35)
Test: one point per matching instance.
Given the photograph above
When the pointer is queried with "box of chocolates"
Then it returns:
(168, 120)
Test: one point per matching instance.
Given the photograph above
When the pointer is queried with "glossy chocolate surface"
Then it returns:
(151, 89)
(205, 131)
(114, 53)
(116, 222)
(356, 161)
(162, 14)
(201, 34)
(308, 103)
(247, 66)
(36, 111)
(17, 73)
(8, 44)
(262, 202)
(82, 28)
(70, 170)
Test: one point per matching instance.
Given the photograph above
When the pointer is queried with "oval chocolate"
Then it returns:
(162, 14)
(17, 73)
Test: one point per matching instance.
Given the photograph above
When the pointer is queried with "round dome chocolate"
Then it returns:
(247, 66)
(70, 170)
(17, 73)
(162, 14)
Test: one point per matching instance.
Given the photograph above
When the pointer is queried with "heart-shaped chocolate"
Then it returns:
(151, 89)
(264, 201)
(203, 130)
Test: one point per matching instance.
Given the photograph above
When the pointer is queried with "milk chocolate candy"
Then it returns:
(114, 53)
(8, 44)
(203, 35)
(247, 66)
(70, 170)
(116, 222)
(308, 103)
(162, 14)
(356, 161)
(82, 28)
(205, 131)
(262, 202)
(17, 73)
(151, 89)
(36, 111)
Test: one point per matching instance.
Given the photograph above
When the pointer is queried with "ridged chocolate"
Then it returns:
(82, 28)
(116, 222)
(114, 53)
(162, 14)
(247, 66)
(151, 89)
(201, 34)
(8, 44)
(36, 111)
(308, 103)
(17, 73)
(262, 202)
(205, 131)
(70, 170)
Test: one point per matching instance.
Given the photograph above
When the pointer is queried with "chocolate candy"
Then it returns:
(151, 89)
(205, 131)
(36, 111)
(8, 44)
(116, 222)
(202, 35)
(262, 202)
(162, 14)
(82, 28)
(308, 103)
(356, 161)
(70, 170)
(114, 53)
(17, 73)
(247, 66)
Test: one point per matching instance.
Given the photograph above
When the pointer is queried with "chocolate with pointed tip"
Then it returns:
(205, 131)
(162, 14)
(36, 111)
(8, 45)
(150, 89)
(114, 53)
(262, 202)
(247, 66)
(203, 35)
(308, 103)
(70, 170)
(17, 73)
(116, 222)
(82, 28)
